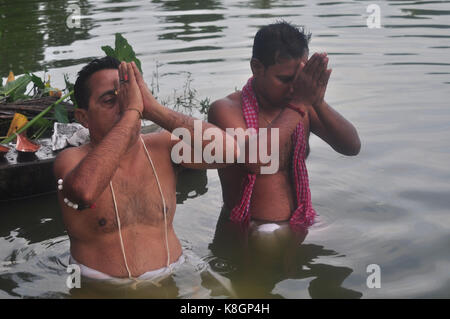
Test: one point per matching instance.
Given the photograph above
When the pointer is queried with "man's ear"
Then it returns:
(257, 67)
(82, 117)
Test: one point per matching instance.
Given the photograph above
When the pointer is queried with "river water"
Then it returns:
(389, 206)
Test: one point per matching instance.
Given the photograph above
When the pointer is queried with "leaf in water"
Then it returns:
(61, 114)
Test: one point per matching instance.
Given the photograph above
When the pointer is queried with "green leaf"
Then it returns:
(37, 81)
(109, 51)
(40, 127)
(16, 88)
(123, 51)
(19, 96)
(61, 114)
(40, 123)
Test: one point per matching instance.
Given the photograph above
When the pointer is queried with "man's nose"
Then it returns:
(121, 108)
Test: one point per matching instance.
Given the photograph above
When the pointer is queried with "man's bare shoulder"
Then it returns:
(227, 112)
(157, 138)
(230, 102)
(160, 144)
(160, 141)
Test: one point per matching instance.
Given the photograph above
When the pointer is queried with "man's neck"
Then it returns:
(129, 158)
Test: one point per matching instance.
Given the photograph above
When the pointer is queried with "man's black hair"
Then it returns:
(280, 40)
(81, 89)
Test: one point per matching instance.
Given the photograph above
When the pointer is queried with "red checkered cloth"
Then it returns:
(304, 214)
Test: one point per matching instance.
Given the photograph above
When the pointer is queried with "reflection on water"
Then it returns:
(388, 206)
(255, 261)
(191, 26)
(191, 183)
(28, 27)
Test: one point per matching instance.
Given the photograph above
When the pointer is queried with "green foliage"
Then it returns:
(123, 51)
(15, 90)
(37, 82)
(36, 118)
(61, 114)
(40, 88)
(40, 127)
(204, 105)
(188, 101)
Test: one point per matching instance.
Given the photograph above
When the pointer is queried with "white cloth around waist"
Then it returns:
(91, 273)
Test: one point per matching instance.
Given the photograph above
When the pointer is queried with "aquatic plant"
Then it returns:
(186, 102)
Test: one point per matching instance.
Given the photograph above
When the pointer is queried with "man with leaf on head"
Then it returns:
(118, 193)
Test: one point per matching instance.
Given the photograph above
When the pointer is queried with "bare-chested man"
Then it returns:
(111, 197)
(286, 93)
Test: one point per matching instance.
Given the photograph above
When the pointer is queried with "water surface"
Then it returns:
(388, 206)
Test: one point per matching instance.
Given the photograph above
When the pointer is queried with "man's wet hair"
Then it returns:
(82, 91)
(278, 41)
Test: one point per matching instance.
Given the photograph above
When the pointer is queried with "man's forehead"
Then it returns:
(103, 80)
(286, 65)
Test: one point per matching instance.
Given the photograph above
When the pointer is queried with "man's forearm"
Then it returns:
(85, 183)
(342, 135)
(171, 120)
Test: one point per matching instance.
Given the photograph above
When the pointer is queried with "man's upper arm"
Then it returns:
(66, 161)
(222, 118)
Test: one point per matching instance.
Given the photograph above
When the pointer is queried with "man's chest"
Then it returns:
(137, 200)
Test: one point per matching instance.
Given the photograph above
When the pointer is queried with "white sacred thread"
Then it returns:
(165, 220)
(163, 201)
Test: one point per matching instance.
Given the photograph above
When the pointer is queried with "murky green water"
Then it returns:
(389, 206)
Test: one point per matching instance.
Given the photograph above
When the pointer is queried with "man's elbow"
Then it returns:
(354, 148)
(78, 193)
